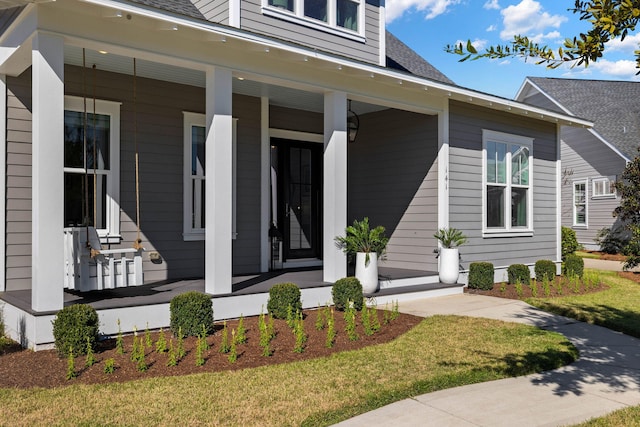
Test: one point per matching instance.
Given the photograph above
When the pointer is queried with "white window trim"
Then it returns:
(585, 182)
(298, 17)
(606, 180)
(508, 230)
(197, 119)
(75, 103)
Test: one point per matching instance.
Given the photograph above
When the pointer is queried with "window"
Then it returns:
(580, 203)
(91, 174)
(507, 183)
(325, 14)
(195, 178)
(604, 187)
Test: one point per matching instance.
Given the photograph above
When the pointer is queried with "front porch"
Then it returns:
(148, 305)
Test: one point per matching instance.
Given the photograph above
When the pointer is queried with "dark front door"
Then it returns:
(296, 176)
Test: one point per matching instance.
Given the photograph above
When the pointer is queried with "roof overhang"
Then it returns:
(8, 4)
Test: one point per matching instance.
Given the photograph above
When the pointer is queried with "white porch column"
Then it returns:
(47, 214)
(443, 166)
(3, 183)
(334, 184)
(219, 184)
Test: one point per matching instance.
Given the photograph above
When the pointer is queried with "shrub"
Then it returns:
(573, 266)
(481, 275)
(545, 268)
(613, 240)
(345, 290)
(569, 242)
(518, 273)
(189, 312)
(75, 328)
(282, 296)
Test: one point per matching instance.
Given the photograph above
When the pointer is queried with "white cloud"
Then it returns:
(431, 8)
(491, 28)
(619, 69)
(479, 44)
(628, 45)
(528, 17)
(492, 4)
(541, 38)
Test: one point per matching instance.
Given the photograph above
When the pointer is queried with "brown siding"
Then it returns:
(393, 180)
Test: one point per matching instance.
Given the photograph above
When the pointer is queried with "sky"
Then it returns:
(427, 26)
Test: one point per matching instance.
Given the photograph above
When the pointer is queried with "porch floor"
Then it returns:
(163, 292)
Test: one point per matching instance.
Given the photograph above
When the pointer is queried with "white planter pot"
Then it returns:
(448, 265)
(367, 274)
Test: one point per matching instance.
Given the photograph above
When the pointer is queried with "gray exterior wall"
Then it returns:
(393, 180)
(586, 157)
(7, 16)
(465, 183)
(252, 19)
(214, 10)
(18, 181)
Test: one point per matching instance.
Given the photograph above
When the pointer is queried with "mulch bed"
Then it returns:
(559, 287)
(24, 368)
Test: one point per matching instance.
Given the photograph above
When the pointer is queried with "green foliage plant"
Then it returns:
(90, 358)
(350, 323)
(534, 287)
(613, 240)
(573, 266)
(199, 352)
(300, 335)
(321, 319)
(73, 326)
(450, 237)
(109, 366)
(331, 330)
(365, 319)
(386, 315)
(233, 351)
(71, 365)
(360, 237)
(189, 311)
(569, 242)
(345, 290)
(481, 275)
(203, 337)
(518, 287)
(545, 268)
(241, 334)
(546, 286)
(172, 357)
(291, 317)
(503, 287)
(375, 322)
(225, 347)
(395, 311)
(281, 296)
(518, 273)
(119, 340)
(147, 337)
(161, 343)
(180, 350)
(265, 336)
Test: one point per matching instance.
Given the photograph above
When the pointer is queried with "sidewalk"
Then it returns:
(605, 378)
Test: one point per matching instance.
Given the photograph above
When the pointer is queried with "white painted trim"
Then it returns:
(558, 192)
(234, 13)
(585, 182)
(295, 135)
(112, 109)
(3, 183)
(508, 139)
(443, 166)
(265, 185)
(382, 35)
(605, 180)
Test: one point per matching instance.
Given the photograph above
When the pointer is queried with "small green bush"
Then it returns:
(569, 242)
(545, 268)
(75, 328)
(345, 290)
(281, 296)
(481, 275)
(613, 240)
(573, 266)
(189, 312)
(519, 273)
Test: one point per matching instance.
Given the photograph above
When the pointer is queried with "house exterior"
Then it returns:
(592, 158)
(267, 87)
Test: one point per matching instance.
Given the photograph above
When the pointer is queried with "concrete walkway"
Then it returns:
(605, 378)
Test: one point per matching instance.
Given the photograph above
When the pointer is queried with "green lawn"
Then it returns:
(583, 254)
(441, 352)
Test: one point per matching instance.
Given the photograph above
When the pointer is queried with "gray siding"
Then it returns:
(214, 10)
(393, 180)
(7, 16)
(18, 191)
(542, 101)
(586, 157)
(252, 19)
(296, 120)
(465, 183)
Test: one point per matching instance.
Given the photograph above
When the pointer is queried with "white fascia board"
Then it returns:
(451, 91)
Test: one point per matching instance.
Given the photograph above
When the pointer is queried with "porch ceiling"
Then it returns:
(7, 4)
(280, 96)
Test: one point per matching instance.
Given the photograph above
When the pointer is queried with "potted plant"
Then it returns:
(368, 245)
(448, 254)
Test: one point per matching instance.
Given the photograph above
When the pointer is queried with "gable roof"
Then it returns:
(613, 106)
(180, 7)
(401, 57)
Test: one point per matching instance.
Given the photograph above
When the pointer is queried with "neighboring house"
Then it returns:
(268, 87)
(592, 158)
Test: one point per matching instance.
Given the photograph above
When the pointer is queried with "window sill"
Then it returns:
(608, 196)
(491, 234)
(580, 226)
(312, 23)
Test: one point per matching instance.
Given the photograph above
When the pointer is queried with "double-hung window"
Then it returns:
(339, 14)
(507, 183)
(604, 187)
(195, 177)
(92, 170)
(580, 203)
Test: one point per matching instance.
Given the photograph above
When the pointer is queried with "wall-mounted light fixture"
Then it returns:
(353, 124)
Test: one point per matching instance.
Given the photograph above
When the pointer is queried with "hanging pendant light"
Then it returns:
(353, 124)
